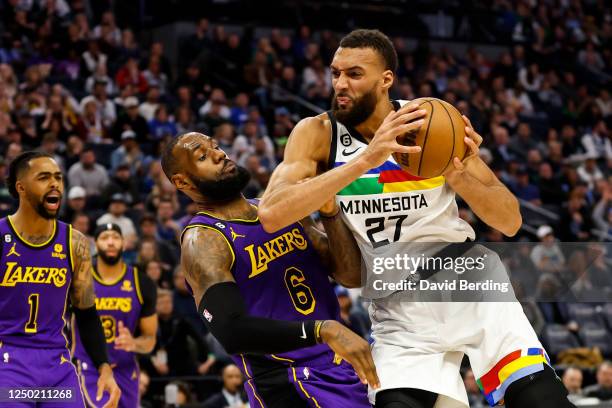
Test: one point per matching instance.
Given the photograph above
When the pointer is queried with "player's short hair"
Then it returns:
(18, 166)
(169, 163)
(375, 40)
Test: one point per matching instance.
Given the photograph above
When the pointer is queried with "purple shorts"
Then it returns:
(22, 367)
(126, 378)
(319, 386)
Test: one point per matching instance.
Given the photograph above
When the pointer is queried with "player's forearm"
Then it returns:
(289, 203)
(144, 344)
(345, 255)
(495, 205)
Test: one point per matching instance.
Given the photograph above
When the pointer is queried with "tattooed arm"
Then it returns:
(207, 262)
(82, 294)
(337, 246)
(82, 298)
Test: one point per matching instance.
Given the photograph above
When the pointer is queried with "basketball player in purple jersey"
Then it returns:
(267, 297)
(44, 263)
(125, 300)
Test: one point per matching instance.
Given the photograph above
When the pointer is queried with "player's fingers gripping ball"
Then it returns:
(441, 138)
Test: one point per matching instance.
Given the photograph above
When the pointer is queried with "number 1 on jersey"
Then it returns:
(31, 326)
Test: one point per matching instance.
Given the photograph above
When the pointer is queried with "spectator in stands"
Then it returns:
(162, 124)
(92, 58)
(131, 120)
(603, 389)
(186, 350)
(572, 379)
(148, 108)
(551, 189)
(597, 144)
(524, 190)
(166, 252)
(143, 388)
(91, 127)
(232, 393)
(239, 113)
(116, 215)
(547, 255)
(130, 74)
(129, 154)
(589, 172)
(107, 31)
(167, 228)
(602, 215)
(88, 174)
(354, 321)
(124, 183)
(75, 203)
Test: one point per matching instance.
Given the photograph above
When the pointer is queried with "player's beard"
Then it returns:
(360, 110)
(110, 260)
(225, 188)
(39, 206)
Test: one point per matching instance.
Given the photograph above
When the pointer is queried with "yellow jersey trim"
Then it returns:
(137, 284)
(99, 279)
(230, 219)
(51, 238)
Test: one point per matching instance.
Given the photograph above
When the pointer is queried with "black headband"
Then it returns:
(107, 227)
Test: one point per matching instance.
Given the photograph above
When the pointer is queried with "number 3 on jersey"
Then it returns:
(301, 295)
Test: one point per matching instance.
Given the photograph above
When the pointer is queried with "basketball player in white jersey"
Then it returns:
(346, 154)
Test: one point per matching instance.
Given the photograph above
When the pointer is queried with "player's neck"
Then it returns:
(109, 273)
(371, 125)
(31, 226)
(227, 210)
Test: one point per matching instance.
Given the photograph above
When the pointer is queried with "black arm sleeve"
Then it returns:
(92, 335)
(224, 312)
(149, 295)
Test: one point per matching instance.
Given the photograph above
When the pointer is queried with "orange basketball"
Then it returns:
(440, 137)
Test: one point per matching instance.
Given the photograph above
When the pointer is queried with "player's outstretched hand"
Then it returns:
(351, 347)
(125, 340)
(106, 382)
(409, 118)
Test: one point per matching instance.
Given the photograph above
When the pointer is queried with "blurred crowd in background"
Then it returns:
(104, 99)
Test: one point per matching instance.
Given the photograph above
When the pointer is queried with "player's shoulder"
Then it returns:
(321, 124)
(204, 237)
(311, 137)
(77, 237)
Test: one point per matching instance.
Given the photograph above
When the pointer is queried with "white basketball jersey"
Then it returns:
(387, 205)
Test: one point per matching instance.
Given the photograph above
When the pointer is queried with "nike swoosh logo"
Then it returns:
(303, 336)
(344, 152)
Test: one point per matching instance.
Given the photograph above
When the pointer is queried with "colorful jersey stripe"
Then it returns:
(512, 367)
(389, 178)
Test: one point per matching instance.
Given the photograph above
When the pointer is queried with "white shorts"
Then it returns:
(421, 345)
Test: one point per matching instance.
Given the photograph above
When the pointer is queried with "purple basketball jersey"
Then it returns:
(279, 276)
(119, 301)
(34, 286)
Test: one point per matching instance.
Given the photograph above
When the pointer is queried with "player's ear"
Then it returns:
(387, 79)
(180, 181)
(19, 187)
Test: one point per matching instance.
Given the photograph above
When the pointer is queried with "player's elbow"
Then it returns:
(513, 225)
(267, 219)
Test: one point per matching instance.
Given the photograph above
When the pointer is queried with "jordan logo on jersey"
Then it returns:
(262, 255)
(234, 235)
(13, 251)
